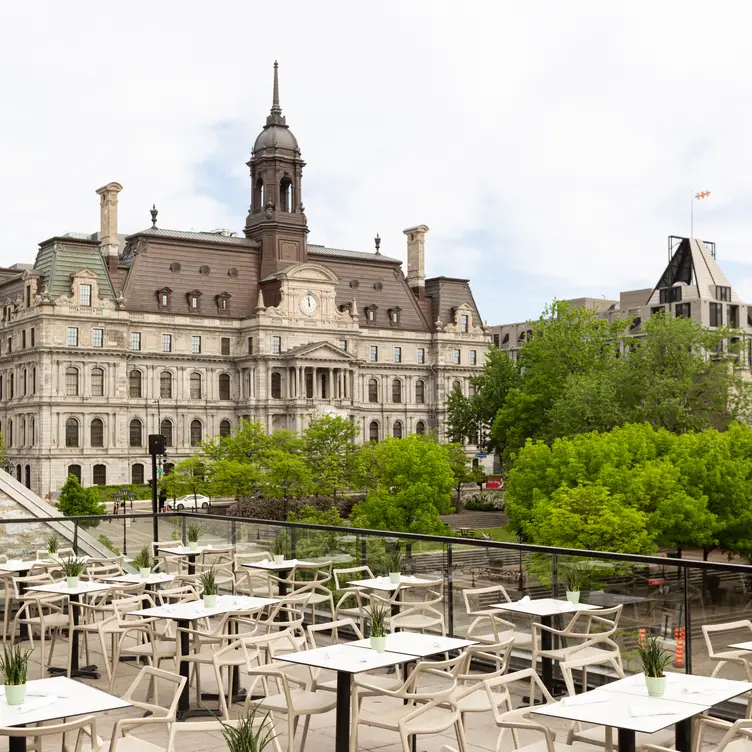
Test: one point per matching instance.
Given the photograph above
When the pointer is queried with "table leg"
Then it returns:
(684, 735)
(22, 591)
(192, 563)
(627, 741)
(184, 669)
(344, 693)
(17, 744)
(90, 672)
(239, 693)
(547, 665)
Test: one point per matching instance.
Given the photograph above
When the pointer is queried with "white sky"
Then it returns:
(550, 146)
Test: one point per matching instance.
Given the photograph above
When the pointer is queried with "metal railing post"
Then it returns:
(363, 551)
(183, 526)
(687, 625)
(449, 575)
(555, 574)
(293, 541)
(75, 536)
(233, 532)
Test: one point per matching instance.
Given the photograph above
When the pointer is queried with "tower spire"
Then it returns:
(275, 116)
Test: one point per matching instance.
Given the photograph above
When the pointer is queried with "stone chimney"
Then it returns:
(108, 227)
(416, 269)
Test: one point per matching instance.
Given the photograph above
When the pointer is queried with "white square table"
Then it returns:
(72, 698)
(741, 646)
(189, 553)
(154, 578)
(386, 585)
(284, 566)
(546, 609)
(416, 644)
(183, 613)
(346, 660)
(74, 600)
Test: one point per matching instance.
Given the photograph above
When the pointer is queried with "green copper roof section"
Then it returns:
(60, 258)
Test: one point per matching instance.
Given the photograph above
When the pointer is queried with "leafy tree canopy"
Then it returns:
(329, 451)
(76, 500)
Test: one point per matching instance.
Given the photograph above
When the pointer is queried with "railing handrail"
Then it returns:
(500, 545)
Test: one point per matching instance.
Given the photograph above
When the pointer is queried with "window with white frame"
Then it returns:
(397, 354)
(84, 295)
(196, 344)
(97, 337)
(373, 353)
(456, 356)
(276, 344)
(72, 338)
(421, 355)
(464, 322)
(473, 357)
(166, 343)
(135, 340)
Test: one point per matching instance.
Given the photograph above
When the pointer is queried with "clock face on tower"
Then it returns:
(309, 304)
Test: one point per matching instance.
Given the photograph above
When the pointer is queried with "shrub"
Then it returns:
(485, 502)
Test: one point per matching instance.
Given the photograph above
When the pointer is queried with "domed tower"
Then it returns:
(276, 218)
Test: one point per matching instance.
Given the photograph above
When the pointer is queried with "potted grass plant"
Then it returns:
(249, 735)
(573, 582)
(14, 663)
(194, 533)
(72, 568)
(379, 615)
(654, 659)
(209, 584)
(53, 543)
(394, 563)
(279, 548)
(143, 562)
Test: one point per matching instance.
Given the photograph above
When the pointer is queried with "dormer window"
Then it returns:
(164, 298)
(464, 323)
(394, 316)
(371, 313)
(223, 302)
(84, 295)
(194, 301)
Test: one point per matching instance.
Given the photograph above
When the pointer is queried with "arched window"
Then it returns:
(165, 428)
(397, 429)
(75, 471)
(457, 386)
(420, 391)
(168, 468)
(33, 382)
(23, 384)
(137, 474)
(196, 432)
(224, 386)
(71, 432)
(373, 390)
(12, 384)
(258, 195)
(22, 432)
(396, 391)
(97, 382)
(285, 195)
(18, 473)
(165, 384)
(373, 431)
(1, 386)
(276, 385)
(9, 437)
(71, 381)
(225, 427)
(195, 385)
(32, 431)
(28, 476)
(96, 432)
(134, 383)
(420, 428)
(99, 475)
(135, 438)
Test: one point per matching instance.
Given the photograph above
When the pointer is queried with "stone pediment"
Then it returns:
(306, 272)
(318, 351)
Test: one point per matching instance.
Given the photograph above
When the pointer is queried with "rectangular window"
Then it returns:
(97, 337)
(732, 312)
(683, 310)
(276, 345)
(33, 342)
(496, 340)
(397, 354)
(456, 357)
(28, 296)
(373, 353)
(464, 320)
(225, 346)
(10, 343)
(166, 343)
(421, 355)
(342, 344)
(472, 390)
(72, 339)
(473, 357)
(135, 340)
(716, 314)
(250, 345)
(195, 344)
(23, 339)
(84, 295)
(657, 309)
(722, 293)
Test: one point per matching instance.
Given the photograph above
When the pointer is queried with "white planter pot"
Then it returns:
(278, 558)
(378, 644)
(573, 596)
(144, 572)
(15, 694)
(210, 601)
(72, 582)
(656, 685)
(394, 577)
(193, 545)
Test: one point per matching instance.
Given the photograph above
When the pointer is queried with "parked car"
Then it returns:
(194, 503)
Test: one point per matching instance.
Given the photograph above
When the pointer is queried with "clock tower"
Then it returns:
(276, 219)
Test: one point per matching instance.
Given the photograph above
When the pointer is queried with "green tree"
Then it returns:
(409, 484)
(188, 477)
(249, 443)
(286, 477)
(329, 451)
(75, 500)
(233, 478)
(462, 473)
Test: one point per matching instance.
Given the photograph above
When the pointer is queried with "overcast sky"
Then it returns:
(551, 147)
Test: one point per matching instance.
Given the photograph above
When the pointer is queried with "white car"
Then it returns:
(189, 502)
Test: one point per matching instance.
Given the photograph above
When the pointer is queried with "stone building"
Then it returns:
(692, 285)
(108, 338)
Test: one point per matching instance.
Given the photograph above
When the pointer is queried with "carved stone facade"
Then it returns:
(185, 333)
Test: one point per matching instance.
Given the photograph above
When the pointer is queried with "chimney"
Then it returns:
(108, 228)
(416, 270)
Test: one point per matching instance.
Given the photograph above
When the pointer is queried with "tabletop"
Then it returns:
(57, 697)
(741, 646)
(275, 566)
(347, 658)
(154, 578)
(544, 606)
(184, 550)
(85, 586)
(698, 690)
(384, 583)
(18, 565)
(193, 610)
(621, 711)
(414, 643)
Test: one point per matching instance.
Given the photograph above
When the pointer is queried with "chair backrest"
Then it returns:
(305, 574)
(478, 600)
(177, 594)
(251, 556)
(96, 570)
(179, 731)
(575, 663)
(729, 626)
(495, 656)
(123, 606)
(604, 621)
(85, 728)
(45, 578)
(334, 627)
(343, 576)
(432, 680)
(148, 678)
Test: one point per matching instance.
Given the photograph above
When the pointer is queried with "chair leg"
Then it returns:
(459, 728)
(223, 707)
(304, 735)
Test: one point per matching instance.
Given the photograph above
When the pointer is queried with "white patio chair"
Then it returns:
(351, 599)
(729, 656)
(84, 728)
(180, 733)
